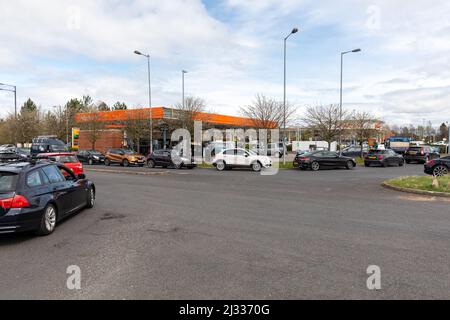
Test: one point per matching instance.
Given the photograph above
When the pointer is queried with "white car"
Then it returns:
(240, 158)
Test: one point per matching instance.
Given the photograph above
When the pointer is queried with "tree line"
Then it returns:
(58, 121)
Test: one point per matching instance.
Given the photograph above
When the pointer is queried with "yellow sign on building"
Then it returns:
(75, 138)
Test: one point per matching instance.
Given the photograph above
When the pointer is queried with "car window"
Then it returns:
(8, 181)
(34, 179)
(240, 152)
(44, 177)
(229, 152)
(53, 174)
(66, 159)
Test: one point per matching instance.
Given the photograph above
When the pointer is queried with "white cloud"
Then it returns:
(56, 50)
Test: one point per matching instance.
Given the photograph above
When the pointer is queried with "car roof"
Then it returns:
(54, 154)
(18, 167)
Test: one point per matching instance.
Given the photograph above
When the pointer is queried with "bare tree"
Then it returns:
(363, 126)
(325, 120)
(267, 113)
(92, 125)
(189, 112)
(137, 126)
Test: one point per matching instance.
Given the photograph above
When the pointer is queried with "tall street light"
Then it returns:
(340, 101)
(14, 89)
(15, 95)
(149, 98)
(183, 72)
(295, 30)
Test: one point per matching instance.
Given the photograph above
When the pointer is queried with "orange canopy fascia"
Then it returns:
(158, 113)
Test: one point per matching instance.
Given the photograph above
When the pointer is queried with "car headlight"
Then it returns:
(96, 157)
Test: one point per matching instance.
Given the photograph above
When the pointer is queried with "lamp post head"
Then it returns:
(356, 50)
(184, 71)
(138, 52)
(295, 30)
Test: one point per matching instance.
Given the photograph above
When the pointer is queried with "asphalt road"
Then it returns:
(201, 234)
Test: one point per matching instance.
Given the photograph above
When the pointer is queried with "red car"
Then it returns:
(68, 159)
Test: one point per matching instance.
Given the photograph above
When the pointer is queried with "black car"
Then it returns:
(35, 196)
(298, 155)
(384, 158)
(354, 151)
(324, 159)
(91, 157)
(438, 167)
(164, 158)
(421, 154)
(47, 144)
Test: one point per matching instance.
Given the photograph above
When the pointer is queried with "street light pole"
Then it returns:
(15, 102)
(295, 30)
(149, 98)
(340, 100)
(183, 72)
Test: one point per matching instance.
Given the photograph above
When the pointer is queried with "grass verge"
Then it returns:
(421, 183)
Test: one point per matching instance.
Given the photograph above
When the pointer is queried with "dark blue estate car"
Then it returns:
(34, 196)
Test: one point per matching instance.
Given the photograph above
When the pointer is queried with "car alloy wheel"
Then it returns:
(151, 164)
(48, 221)
(126, 163)
(220, 166)
(91, 198)
(315, 166)
(350, 165)
(107, 163)
(440, 171)
(256, 167)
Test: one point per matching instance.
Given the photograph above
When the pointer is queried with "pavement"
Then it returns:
(203, 234)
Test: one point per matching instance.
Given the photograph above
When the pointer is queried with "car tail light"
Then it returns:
(422, 152)
(304, 159)
(431, 163)
(15, 202)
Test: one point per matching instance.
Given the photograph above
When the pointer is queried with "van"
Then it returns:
(47, 144)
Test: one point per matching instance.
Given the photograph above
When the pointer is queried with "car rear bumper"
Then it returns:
(415, 158)
(13, 223)
(373, 162)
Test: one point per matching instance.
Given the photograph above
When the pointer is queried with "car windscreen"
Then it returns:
(129, 152)
(8, 181)
(66, 159)
(377, 151)
(415, 148)
(58, 148)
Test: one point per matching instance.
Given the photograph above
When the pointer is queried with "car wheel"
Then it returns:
(315, 166)
(151, 164)
(90, 162)
(367, 165)
(126, 163)
(48, 221)
(408, 161)
(107, 162)
(256, 167)
(178, 166)
(90, 198)
(350, 165)
(384, 164)
(220, 166)
(401, 163)
(440, 171)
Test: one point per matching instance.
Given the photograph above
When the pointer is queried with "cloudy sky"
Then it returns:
(55, 50)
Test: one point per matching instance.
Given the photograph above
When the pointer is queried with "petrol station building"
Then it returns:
(113, 126)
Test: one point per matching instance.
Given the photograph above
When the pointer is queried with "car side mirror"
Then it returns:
(81, 176)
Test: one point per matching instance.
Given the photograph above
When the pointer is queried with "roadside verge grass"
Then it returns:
(421, 183)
